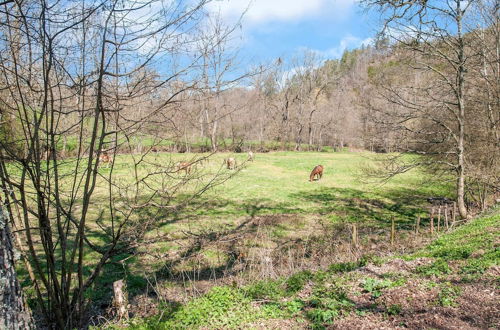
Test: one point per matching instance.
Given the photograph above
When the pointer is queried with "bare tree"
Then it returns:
(101, 75)
(431, 108)
(218, 74)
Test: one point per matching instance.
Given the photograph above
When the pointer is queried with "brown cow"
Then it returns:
(317, 171)
(183, 166)
(230, 163)
(104, 158)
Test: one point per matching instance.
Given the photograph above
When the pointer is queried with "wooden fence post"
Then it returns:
(354, 235)
(439, 218)
(454, 213)
(393, 231)
(417, 225)
(432, 221)
(446, 217)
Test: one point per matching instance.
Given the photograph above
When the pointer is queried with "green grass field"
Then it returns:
(279, 183)
(274, 190)
(268, 204)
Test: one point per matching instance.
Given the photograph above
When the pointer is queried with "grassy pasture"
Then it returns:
(269, 203)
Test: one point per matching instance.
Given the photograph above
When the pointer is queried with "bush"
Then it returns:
(296, 282)
(221, 307)
(437, 268)
(375, 287)
(447, 296)
(267, 289)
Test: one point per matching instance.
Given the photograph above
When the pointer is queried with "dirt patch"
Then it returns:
(274, 219)
(277, 324)
(479, 305)
(366, 322)
(396, 266)
(493, 272)
(413, 297)
(415, 304)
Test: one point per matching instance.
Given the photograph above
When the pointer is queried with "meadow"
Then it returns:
(269, 249)
(263, 220)
(266, 220)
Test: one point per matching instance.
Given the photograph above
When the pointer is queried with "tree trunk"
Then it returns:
(461, 116)
(14, 314)
(213, 136)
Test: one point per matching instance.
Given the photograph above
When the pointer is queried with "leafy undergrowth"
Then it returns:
(454, 280)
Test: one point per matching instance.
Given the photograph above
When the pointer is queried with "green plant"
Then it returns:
(360, 312)
(375, 287)
(447, 295)
(293, 307)
(475, 267)
(273, 310)
(221, 307)
(327, 304)
(266, 289)
(343, 267)
(437, 268)
(297, 281)
(453, 252)
(394, 309)
(321, 316)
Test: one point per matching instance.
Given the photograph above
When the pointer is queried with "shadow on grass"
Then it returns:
(224, 207)
(341, 205)
(356, 206)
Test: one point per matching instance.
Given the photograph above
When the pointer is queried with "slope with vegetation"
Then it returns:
(453, 282)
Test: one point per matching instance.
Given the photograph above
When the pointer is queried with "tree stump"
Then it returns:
(120, 301)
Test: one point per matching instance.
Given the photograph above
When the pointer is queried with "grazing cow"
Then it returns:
(105, 158)
(183, 166)
(317, 171)
(250, 156)
(230, 163)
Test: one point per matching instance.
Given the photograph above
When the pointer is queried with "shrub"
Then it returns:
(267, 289)
(437, 268)
(447, 296)
(296, 282)
(375, 287)
(221, 307)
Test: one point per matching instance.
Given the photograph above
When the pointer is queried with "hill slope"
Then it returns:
(452, 283)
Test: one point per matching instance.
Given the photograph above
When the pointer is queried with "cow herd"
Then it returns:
(105, 159)
(230, 164)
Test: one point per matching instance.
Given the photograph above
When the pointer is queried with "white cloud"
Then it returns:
(347, 42)
(263, 11)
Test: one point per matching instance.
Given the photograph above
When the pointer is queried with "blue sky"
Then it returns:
(282, 28)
